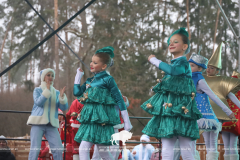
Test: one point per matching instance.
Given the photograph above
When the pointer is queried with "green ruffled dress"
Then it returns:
(99, 114)
(176, 88)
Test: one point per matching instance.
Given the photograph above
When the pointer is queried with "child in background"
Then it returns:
(143, 151)
(44, 153)
(224, 87)
(72, 121)
(209, 124)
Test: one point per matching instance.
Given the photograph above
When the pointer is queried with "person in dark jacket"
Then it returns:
(5, 152)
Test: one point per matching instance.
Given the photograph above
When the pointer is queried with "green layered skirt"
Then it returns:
(98, 117)
(173, 121)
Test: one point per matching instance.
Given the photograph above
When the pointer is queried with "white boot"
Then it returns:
(226, 157)
(75, 157)
(234, 157)
(212, 156)
(197, 156)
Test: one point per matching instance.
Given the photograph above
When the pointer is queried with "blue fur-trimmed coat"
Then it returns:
(46, 105)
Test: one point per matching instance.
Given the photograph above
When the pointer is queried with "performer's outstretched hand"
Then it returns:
(62, 91)
(79, 69)
(231, 116)
(151, 56)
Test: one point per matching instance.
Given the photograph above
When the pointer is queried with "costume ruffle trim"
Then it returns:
(177, 101)
(98, 95)
(101, 114)
(209, 125)
(176, 84)
(95, 133)
(167, 127)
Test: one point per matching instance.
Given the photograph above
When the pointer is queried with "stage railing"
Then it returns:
(131, 117)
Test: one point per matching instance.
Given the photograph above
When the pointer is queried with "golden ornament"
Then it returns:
(193, 94)
(81, 99)
(73, 114)
(159, 80)
(169, 105)
(86, 95)
(186, 111)
(149, 105)
(88, 85)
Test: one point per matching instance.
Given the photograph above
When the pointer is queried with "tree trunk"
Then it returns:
(188, 24)
(41, 64)
(10, 62)
(164, 20)
(85, 43)
(1, 51)
(56, 44)
(198, 27)
(69, 81)
(216, 26)
(26, 75)
(158, 26)
(51, 56)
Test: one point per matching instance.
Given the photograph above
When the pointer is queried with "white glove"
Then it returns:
(127, 102)
(155, 61)
(78, 76)
(127, 123)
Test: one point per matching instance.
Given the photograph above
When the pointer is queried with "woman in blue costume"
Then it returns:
(44, 116)
(99, 95)
(209, 124)
(174, 110)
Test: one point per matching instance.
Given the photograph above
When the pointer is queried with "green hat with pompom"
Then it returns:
(109, 50)
(183, 31)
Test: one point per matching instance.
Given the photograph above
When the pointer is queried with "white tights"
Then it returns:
(210, 139)
(185, 147)
(230, 143)
(84, 151)
(114, 150)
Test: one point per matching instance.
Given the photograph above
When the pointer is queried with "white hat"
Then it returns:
(44, 72)
(145, 138)
(3, 137)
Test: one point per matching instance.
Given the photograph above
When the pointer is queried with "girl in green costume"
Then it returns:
(99, 95)
(173, 107)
